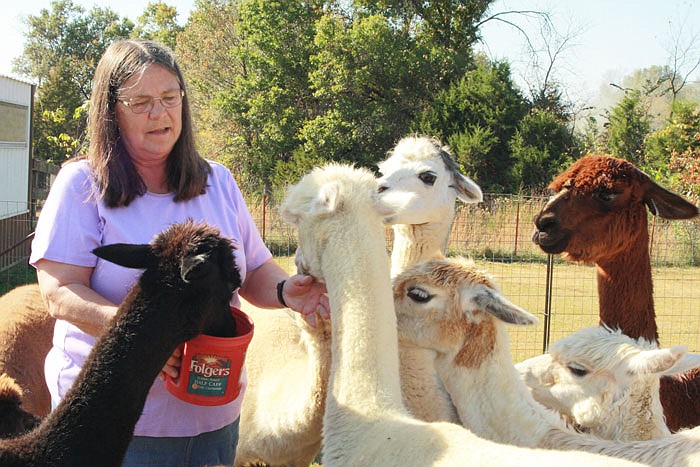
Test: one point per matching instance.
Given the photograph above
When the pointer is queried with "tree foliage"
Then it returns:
(63, 45)
(158, 23)
(628, 125)
(477, 116)
(281, 86)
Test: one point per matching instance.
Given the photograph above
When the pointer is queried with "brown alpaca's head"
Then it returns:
(599, 209)
(14, 420)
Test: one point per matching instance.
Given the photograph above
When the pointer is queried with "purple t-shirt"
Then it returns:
(73, 222)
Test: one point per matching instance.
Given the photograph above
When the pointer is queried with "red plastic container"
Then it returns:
(211, 366)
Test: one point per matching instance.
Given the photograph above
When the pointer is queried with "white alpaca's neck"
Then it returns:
(490, 397)
(364, 368)
(637, 415)
(423, 395)
(416, 243)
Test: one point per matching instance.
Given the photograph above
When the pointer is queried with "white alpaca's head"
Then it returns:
(449, 305)
(421, 176)
(325, 200)
(587, 374)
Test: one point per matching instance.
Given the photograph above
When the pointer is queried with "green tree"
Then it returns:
(628, 125)
(251, 82)
(675, 149)
(542, 147)
(158, 23)
(62, 48)
(477, 116)
(208, 52)
(369, 82)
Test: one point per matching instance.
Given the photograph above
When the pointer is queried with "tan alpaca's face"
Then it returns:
(445, 305)
(416, 178)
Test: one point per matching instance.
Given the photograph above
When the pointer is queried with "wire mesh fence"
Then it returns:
(496, 235)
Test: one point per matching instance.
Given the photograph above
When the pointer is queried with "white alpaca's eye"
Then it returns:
(577, 369)
(418, 295)
(428, 178)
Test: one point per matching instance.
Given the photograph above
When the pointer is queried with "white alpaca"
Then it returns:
(288, 361)
(423, 179)
(451, 307)
(606, 383)
(341, 240)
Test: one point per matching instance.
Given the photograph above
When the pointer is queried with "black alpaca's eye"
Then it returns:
(428, 178)
(577, 369)
(418, 295)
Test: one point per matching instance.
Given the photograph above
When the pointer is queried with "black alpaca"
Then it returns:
(185, 289)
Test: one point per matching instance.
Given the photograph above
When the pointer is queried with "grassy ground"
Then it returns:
(575, 301)
(19, 274)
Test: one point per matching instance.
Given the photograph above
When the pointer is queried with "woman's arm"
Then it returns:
(67, 293)
(301, 293)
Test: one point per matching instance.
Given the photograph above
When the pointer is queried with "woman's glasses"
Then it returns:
(143, 104)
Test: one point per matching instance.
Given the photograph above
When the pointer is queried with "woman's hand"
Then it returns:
(302, 293)
(172, 366)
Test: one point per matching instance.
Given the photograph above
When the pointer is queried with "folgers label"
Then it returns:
(210, 373)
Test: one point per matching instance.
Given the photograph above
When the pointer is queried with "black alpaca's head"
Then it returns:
(190, 259)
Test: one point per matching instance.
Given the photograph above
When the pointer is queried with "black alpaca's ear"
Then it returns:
(135, 256)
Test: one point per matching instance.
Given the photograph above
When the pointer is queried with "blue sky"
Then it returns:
(615, 36)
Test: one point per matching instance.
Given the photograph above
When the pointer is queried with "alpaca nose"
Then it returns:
(545, 221)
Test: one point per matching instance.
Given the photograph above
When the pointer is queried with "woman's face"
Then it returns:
(150, 136)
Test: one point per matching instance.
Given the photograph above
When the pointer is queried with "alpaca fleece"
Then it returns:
(185, 288)
(599, 215)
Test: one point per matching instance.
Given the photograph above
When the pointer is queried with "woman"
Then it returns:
(141, 174)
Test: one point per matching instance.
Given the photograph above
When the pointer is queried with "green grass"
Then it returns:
(19, 274)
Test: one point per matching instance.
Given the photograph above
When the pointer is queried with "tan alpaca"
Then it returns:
(451, 307)
(288, 361)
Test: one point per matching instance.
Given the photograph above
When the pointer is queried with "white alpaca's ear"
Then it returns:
(656, 361)
(490, 301)
(687, 363)
(328, 199)
(467, 190)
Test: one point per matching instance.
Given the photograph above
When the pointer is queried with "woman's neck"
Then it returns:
(153, 174)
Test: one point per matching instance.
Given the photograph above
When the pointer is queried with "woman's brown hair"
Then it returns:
(117, 178)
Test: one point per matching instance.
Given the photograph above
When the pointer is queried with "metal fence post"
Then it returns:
(547, 304)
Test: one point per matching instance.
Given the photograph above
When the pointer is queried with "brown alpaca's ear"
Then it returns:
(667, 204)
(136, 256)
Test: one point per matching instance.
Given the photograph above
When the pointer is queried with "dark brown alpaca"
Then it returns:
(599, 215)
(185, 288)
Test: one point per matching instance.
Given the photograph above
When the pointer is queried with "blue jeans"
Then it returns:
(213, 448)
